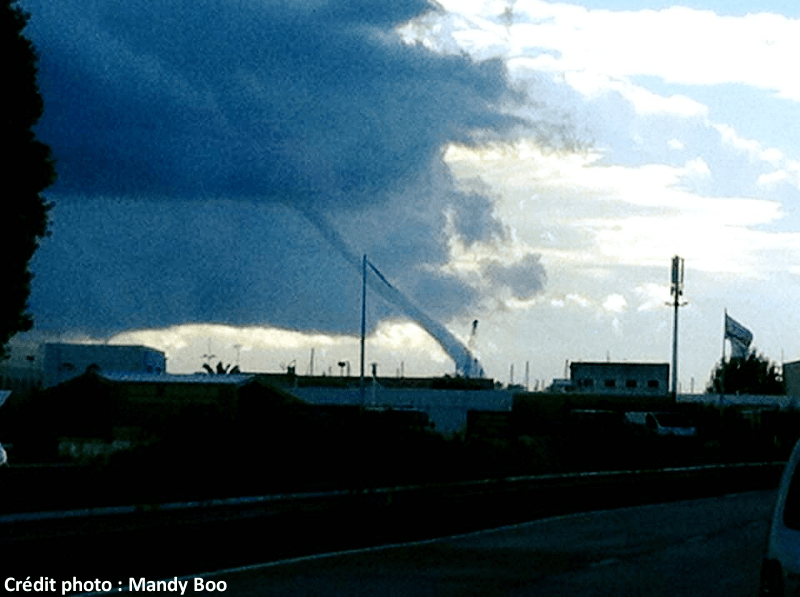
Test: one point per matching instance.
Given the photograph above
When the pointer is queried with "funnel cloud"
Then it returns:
(200, 144)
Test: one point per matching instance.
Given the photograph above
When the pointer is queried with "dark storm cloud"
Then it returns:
(473, 219)
(185, 130)
(113, 265)
(524, 278)
(295, 101)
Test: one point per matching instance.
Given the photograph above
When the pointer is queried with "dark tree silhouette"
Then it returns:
(221, 369)
(27, 169)
(754, 374)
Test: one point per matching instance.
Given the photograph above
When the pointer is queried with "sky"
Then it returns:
(531, 165)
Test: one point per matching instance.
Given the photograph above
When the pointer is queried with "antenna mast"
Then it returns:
(676, 290)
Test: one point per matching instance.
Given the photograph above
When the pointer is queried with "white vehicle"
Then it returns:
(663, 423)
(3, 456)
(780, 567)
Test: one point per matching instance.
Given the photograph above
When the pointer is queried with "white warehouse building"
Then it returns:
(61, 362)
(639, 379)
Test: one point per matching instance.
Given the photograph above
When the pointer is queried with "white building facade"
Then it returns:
(633, 379)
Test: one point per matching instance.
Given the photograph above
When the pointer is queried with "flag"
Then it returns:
(739, 336)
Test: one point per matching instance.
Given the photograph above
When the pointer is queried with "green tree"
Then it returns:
(27, 170)
(754, 374)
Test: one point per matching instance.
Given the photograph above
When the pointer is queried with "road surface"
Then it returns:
(699, 547)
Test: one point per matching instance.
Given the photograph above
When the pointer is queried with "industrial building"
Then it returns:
(50, 364)
(791, 376)
(102, 412)
(620, 379)
(21, 377)
(444, 400)
(61, 362)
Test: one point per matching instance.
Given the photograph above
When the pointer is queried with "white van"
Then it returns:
(780, 567)
(663, 423)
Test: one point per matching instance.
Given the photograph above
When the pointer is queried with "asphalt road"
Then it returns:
(699, 547)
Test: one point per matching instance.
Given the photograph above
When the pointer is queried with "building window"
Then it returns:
(631, 383)
(611, 383)
(653, 383)
(587, 383)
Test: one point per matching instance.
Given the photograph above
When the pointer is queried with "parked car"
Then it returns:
(663, 424)
(780, 567)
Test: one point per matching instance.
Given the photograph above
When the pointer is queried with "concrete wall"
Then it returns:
(743, 400)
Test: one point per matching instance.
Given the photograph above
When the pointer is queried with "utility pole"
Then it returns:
(527, 375)
(676, 290)
(363, 323)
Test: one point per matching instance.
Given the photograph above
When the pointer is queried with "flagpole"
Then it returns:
(723, 370)
(724, 331)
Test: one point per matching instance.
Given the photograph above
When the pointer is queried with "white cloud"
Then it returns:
(393, 343)
(667, 173)
(571, 299)
(406, 337)
(579, 300)
(652, 296)
(624, 215)
(643, 100)
(752, 148)
(615, 303)
(677, 44)
(773, 178)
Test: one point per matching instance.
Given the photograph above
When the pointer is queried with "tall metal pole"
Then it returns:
(676, 290)
(675, 350)
(363, 323)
